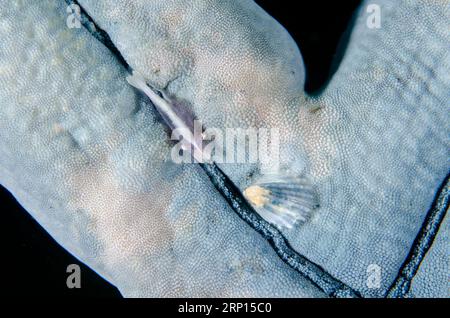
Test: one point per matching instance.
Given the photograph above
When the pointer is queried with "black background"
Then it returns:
(33, 264)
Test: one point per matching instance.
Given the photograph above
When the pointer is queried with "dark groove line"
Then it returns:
(422, 242)
(313, 272)
(97, 32)
(316, 274)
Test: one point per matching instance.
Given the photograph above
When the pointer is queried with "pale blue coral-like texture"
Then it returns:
(83, 151)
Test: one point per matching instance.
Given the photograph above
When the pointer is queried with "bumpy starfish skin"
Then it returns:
(82, 150)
